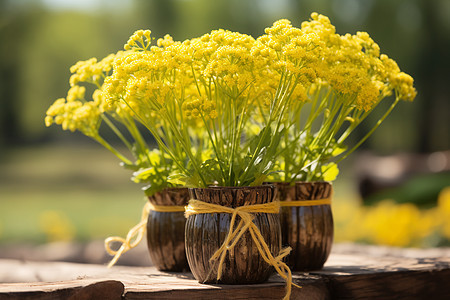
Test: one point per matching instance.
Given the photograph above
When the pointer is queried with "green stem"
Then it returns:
(105, 144)
(158, 139)
(187, 148)
(195, 79)
(359, 117)
(116, 131)
(397, 99)
(219, 159)
(240, 128)
(135, 133)
(266, 128)
(287, 155)
(233, 128)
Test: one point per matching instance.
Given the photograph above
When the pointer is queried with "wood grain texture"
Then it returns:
(365, 276)
(165, 231)
(110, 289)
(205, 234)
(351, 272)
(307, 229)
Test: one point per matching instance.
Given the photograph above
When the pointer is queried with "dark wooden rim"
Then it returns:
(296, 182)
(178, 196)
(302, 190)
(232, 196)
(232, 188)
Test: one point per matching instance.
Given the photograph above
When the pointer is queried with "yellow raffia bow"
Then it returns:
(234, 234)
(324, 201)
(137, 232)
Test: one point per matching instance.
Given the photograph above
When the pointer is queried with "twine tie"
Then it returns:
(137, 233)
(245, 224)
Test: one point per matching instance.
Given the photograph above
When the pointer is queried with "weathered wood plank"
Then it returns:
(398, 285)
(373, 276)
(148, 283)
(365, 273)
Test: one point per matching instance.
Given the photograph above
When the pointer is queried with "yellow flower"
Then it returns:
(140, 40)
(74, 113)
(56, 226)
(444, 211)
(397, 224)
(76, 93)
(386, 223)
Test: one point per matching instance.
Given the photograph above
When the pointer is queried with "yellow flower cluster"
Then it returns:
(225, 57)
(296, 52)
(200, 108)
(74, 113)
(401, 82)
(355, 68)
(92, 71)
(86, 114)
(139, 40)
(193, 74)
(231, 64)
(388, 223)
(342, 77)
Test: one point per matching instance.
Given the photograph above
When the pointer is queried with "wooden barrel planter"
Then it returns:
(206, 232)
(308, 230)
(165, 231)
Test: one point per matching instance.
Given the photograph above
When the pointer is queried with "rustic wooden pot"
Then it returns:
(205, 233)
(307, 229)
(165, 231)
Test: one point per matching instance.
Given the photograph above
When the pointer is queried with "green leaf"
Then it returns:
(262, 140)
(177, 179)
(143, 174)
(211, 171)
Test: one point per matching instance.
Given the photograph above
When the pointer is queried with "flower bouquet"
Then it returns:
(231, 113)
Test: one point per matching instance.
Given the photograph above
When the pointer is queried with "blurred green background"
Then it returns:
(57, 185)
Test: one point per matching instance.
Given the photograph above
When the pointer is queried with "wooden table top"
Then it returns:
(351, 272)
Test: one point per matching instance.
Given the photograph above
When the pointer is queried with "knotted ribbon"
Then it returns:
(136, 234)
(235, 233)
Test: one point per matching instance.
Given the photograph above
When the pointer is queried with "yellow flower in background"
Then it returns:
(56, 226)
(393, 224)
(444, 211)
(348, 217)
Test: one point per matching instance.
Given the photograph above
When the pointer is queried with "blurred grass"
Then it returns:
(73, 191)
(79, 189)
